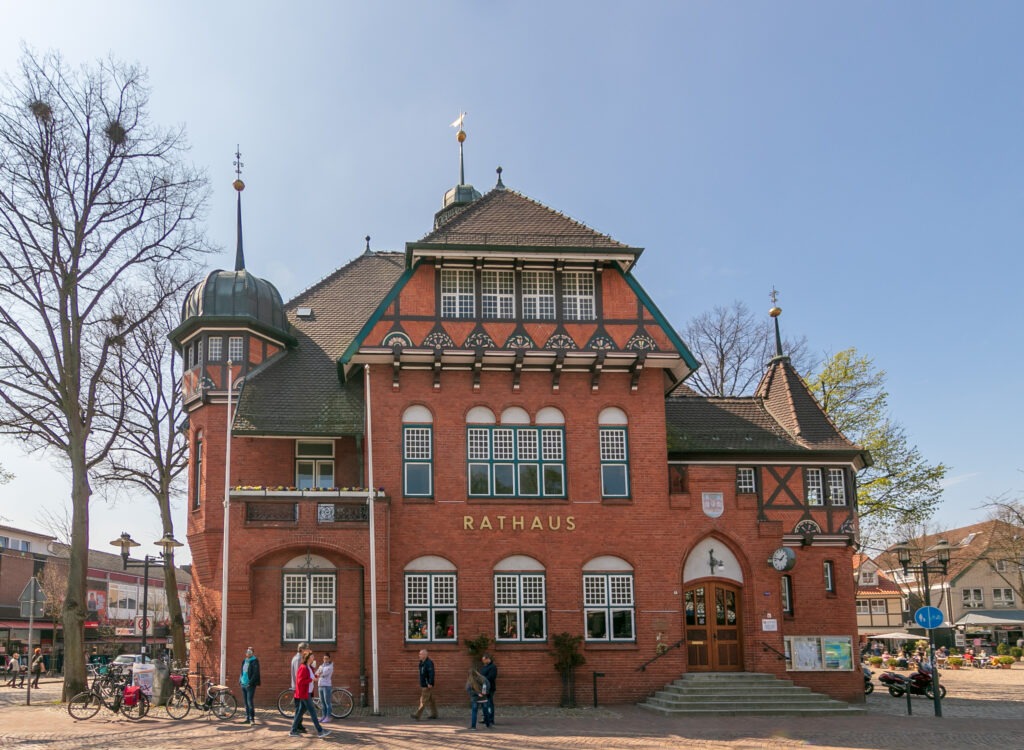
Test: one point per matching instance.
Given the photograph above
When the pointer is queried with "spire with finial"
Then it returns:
(775, 312)
(461, 137)
(239, 187)
(367, 244)
(500, 185)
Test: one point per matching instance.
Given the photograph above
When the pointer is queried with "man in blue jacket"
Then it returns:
(426, 687)
(490, 672)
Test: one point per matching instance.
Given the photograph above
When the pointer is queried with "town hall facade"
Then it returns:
(490, 434)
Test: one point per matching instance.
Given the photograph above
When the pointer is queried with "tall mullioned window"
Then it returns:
(539, 295)
(813, 487)
(515, 458)
(614, 450)
(457, 293)
(214, 348)
(314, 464)
(837, 486)
(520, 607)
(417, 452)
(197, 472)
(578, 295)
(235, 349)
(497, 294)
(609, 606)
(309, 600)
(430, 603)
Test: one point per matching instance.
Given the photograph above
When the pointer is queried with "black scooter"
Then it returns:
(918, 682)
(869, 686)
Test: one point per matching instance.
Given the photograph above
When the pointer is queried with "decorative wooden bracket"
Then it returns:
(557, 374)
(636, 369)
(396, 367)
(595, 370)
(517, 371)
(437, 370)
(478, 366)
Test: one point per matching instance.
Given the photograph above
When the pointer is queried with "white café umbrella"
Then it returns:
(899, 636)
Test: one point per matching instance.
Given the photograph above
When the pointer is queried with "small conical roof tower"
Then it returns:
(460, 196)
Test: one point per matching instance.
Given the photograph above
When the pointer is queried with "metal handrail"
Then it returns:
(766, 647)
(677, 644)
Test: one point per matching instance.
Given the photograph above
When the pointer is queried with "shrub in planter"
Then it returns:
(875, 661)
(1003, 649)
(1005, 661)
(892, 663)
(955, 662)
(1016, 652)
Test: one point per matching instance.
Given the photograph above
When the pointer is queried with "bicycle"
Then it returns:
(219, 700)
(134, 705)
(342, 703)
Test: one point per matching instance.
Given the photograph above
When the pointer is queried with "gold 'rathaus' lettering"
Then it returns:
(518, 523)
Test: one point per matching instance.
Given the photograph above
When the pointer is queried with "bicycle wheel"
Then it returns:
(138, 711)
(224, 705)
(178, 705)
(84, 705)
(286, 703)
(341, 703)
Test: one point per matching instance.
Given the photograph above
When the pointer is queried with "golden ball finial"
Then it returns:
(239, 185)
(461, 136)
(775, 312)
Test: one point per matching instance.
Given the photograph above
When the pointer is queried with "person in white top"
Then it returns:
(325, 674)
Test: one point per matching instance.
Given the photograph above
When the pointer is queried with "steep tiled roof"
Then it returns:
(505, 217)
(787, 399)
(298, 392)
(969, 544)
(708, 424)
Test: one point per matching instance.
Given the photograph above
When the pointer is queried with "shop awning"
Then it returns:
(39, 624)
(988, 618)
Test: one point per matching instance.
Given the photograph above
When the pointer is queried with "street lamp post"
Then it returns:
(940, 564)
(167, 543)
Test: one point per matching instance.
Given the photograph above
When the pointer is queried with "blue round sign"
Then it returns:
(928, 617)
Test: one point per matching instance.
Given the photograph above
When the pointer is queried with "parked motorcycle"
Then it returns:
(918, 682)
(869, 686)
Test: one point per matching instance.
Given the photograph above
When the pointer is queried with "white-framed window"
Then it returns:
(837, 486)
(609, 608)
(214, 348)
(520, 607)
(538, 295)
(309, 600)
(786, 587)
(314, 464)
(191, 356)
(828, 572)
(614, 447)
(457, 294)
(1002, 597)
(430, 607)
(497, 294)
(745, 480)
(878, 607)
(863, 607)
(1000, 566)
(868, 577)
(973, 598)
(235, 349)
(417, 452)
(514, 459)
(813, 484)
(124, 600)
(578, 295)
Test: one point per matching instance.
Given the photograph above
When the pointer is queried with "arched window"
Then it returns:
(417, 452)
(309, 602)
(614, 448)
(515, 458)
(609, 607)
(520, 600)
(430, 600)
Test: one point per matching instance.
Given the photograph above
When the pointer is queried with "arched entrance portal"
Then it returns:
(713, 627)
(713, 609)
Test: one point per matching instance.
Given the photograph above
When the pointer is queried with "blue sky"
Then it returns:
(863, 158)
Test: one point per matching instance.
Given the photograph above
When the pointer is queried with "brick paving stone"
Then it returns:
(985, 708)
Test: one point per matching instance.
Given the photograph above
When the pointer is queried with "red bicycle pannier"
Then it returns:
(177, 680)
(131, 695)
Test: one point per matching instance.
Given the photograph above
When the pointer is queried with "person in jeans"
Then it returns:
(296, 660)
(426, 687)
(477, 687)
(325, 674)
(489, 670)
(250, 680)
(304, 678)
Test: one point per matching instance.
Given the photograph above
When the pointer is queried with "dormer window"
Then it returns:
(868, 577)
(539, 295)
(578, 295)
(457, 294)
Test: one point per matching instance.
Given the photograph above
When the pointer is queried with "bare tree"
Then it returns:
(151, 452)
(1005, 550)
(93, 199)
(734, 347)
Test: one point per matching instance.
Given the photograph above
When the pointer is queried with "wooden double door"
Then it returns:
(713, 627)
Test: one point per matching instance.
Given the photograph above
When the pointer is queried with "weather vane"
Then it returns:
(238, 162)
(774, 296)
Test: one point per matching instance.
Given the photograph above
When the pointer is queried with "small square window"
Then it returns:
(745, 480)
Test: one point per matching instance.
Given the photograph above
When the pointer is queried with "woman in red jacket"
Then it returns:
(304, 696)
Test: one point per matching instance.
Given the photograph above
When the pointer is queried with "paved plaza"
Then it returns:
(984, 708)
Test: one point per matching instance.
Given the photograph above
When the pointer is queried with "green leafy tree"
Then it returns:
(901, 486)
(95, 202)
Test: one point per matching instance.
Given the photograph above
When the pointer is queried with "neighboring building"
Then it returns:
(880, 602)
(981, 595)
(506, 386)
(114, 598)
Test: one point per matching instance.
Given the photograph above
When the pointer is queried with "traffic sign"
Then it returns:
(929, 617)
(32, 594)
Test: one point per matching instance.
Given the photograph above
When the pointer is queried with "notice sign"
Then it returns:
(770, 625)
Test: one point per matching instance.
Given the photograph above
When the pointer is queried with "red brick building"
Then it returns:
(517, 401)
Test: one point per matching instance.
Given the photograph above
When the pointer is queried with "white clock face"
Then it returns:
(780, 559)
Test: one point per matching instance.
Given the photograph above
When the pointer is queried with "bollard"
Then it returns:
(596, 675)
(910, 709)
